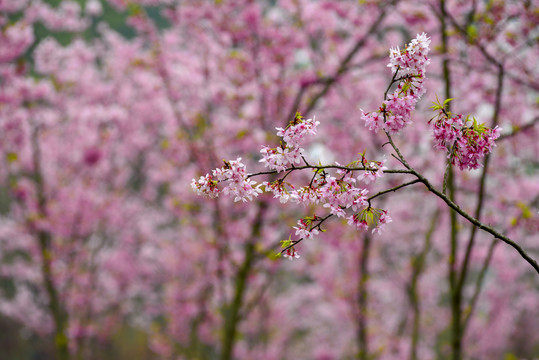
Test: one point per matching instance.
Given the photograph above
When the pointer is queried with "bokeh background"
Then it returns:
(108, 109)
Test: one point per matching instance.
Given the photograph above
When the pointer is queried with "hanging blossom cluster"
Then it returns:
(339, 193)
(408, 67)
(465, 140)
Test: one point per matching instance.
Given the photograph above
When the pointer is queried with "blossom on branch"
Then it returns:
(337, 193)
(408, 67)
(376, 170)
(467, 144)
(305, 228)
(238, 184)
(291, 254)
(465, 140)
(370, 217)
(411, 60)
(289, 152)
(205, 186)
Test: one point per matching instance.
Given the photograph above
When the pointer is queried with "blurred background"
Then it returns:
(109, 109)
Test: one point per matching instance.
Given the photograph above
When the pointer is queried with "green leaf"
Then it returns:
(405, 87)
(165, 144)
(510, 356)
(11, 157)
(134, 9)
(526, 211)
(61, 340)
(286, 243)
(472, 32)
(241, 134)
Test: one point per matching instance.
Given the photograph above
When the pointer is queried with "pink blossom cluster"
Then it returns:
(473, 145)
(446, 130)
(413, 60)
(279, 190)
(408, 67)
(337, 193)
(206, 186)
(341, 194)
(290, 151)
(66, 17)
(465, 143)
(370, 216)
(291, 254)
(14, 40)
(373, 170)
(305, 228)
(238, 184)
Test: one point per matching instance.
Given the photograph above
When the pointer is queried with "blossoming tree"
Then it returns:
(404, 241)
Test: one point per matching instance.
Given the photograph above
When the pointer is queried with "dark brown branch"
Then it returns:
(478, 223)
(321, 167)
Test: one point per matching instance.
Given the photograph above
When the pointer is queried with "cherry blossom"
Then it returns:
(408, 67)
(104, 124)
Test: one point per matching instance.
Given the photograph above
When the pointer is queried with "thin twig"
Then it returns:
(394, 189)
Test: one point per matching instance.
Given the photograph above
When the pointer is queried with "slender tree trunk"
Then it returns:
(455, 295)
(232, 311)
(362, 299)
(55, 307)
(418, 266)
(45, 246)
(478, 210)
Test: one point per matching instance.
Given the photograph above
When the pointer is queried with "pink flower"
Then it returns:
(410, 64)
(372, 120)
(361, 224)
(413, 58)
(376, 170)
(205, 186)
(291, 254)
(466, 144)
(290, 152)
(304, 230)
(238, 184)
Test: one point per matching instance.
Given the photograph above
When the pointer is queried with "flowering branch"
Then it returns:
(324, 167)
(465, 140)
